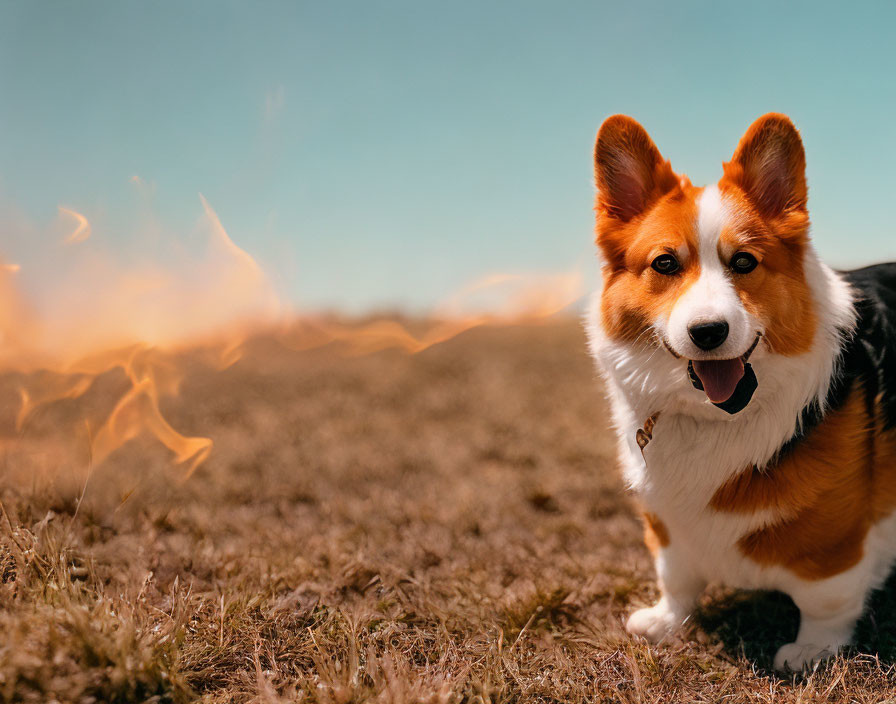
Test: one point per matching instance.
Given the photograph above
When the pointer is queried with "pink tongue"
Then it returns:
(719, 377)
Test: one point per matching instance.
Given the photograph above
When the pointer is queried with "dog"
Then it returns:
(752, 387)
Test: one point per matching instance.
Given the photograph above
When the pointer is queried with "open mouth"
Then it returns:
(728, 383)
(719, 377)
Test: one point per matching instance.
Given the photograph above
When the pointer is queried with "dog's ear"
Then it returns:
(769, 165)
(629, 171)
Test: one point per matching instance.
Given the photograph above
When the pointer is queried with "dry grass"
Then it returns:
(439, 528)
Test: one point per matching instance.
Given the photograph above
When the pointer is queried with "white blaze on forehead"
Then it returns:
(711, 218)
(712, 297)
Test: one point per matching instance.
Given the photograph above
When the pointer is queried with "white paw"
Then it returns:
(654, 622)
(797, 656)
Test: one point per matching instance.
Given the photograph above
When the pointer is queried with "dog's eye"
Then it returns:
(743, 262)
(665, 264)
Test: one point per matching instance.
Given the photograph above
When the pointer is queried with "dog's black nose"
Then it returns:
(708, 336)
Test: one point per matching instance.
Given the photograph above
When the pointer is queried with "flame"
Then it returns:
(100, 315)
(504, 299)
(82, 231)
(138, 411)
(248, 267)
(47, 392)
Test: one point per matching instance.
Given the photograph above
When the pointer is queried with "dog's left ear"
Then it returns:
(769, 165)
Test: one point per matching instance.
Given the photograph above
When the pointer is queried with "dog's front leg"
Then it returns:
(680, 587)
(829, 610)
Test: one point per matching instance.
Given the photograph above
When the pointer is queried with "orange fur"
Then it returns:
(769, 220)
(634, 294)
(772, 223)
(829, 491)
(656, 535)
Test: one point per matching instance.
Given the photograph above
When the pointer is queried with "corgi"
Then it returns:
(752, 387)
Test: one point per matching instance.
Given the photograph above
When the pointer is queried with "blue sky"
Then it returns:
(375, 154)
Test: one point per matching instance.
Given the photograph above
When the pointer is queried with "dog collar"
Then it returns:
(743, 392)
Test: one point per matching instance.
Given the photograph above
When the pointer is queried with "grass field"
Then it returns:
(442, 527)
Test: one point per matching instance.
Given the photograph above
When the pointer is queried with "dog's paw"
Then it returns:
(798, 656)
(654, 622)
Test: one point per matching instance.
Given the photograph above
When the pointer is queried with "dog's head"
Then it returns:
(706, 272)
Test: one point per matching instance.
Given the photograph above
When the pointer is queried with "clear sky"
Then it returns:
(384, 153)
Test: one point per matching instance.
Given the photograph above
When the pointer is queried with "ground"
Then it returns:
(441, 527)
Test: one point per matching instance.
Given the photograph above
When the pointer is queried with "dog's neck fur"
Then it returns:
(644, 379)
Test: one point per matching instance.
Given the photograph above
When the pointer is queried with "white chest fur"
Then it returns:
(696, 447)
(685, 463)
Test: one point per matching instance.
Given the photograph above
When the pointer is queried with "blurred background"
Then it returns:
(383, 155)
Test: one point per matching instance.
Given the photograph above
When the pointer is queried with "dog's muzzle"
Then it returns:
(743, 392)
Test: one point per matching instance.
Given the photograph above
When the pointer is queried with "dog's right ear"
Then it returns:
(629, 171)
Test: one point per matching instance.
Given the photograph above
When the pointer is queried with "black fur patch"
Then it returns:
(868, 355)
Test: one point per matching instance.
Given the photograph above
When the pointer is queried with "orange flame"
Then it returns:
(105, 316)
(138, 411)
(511, 299)
(48, 392)
(82, 231)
